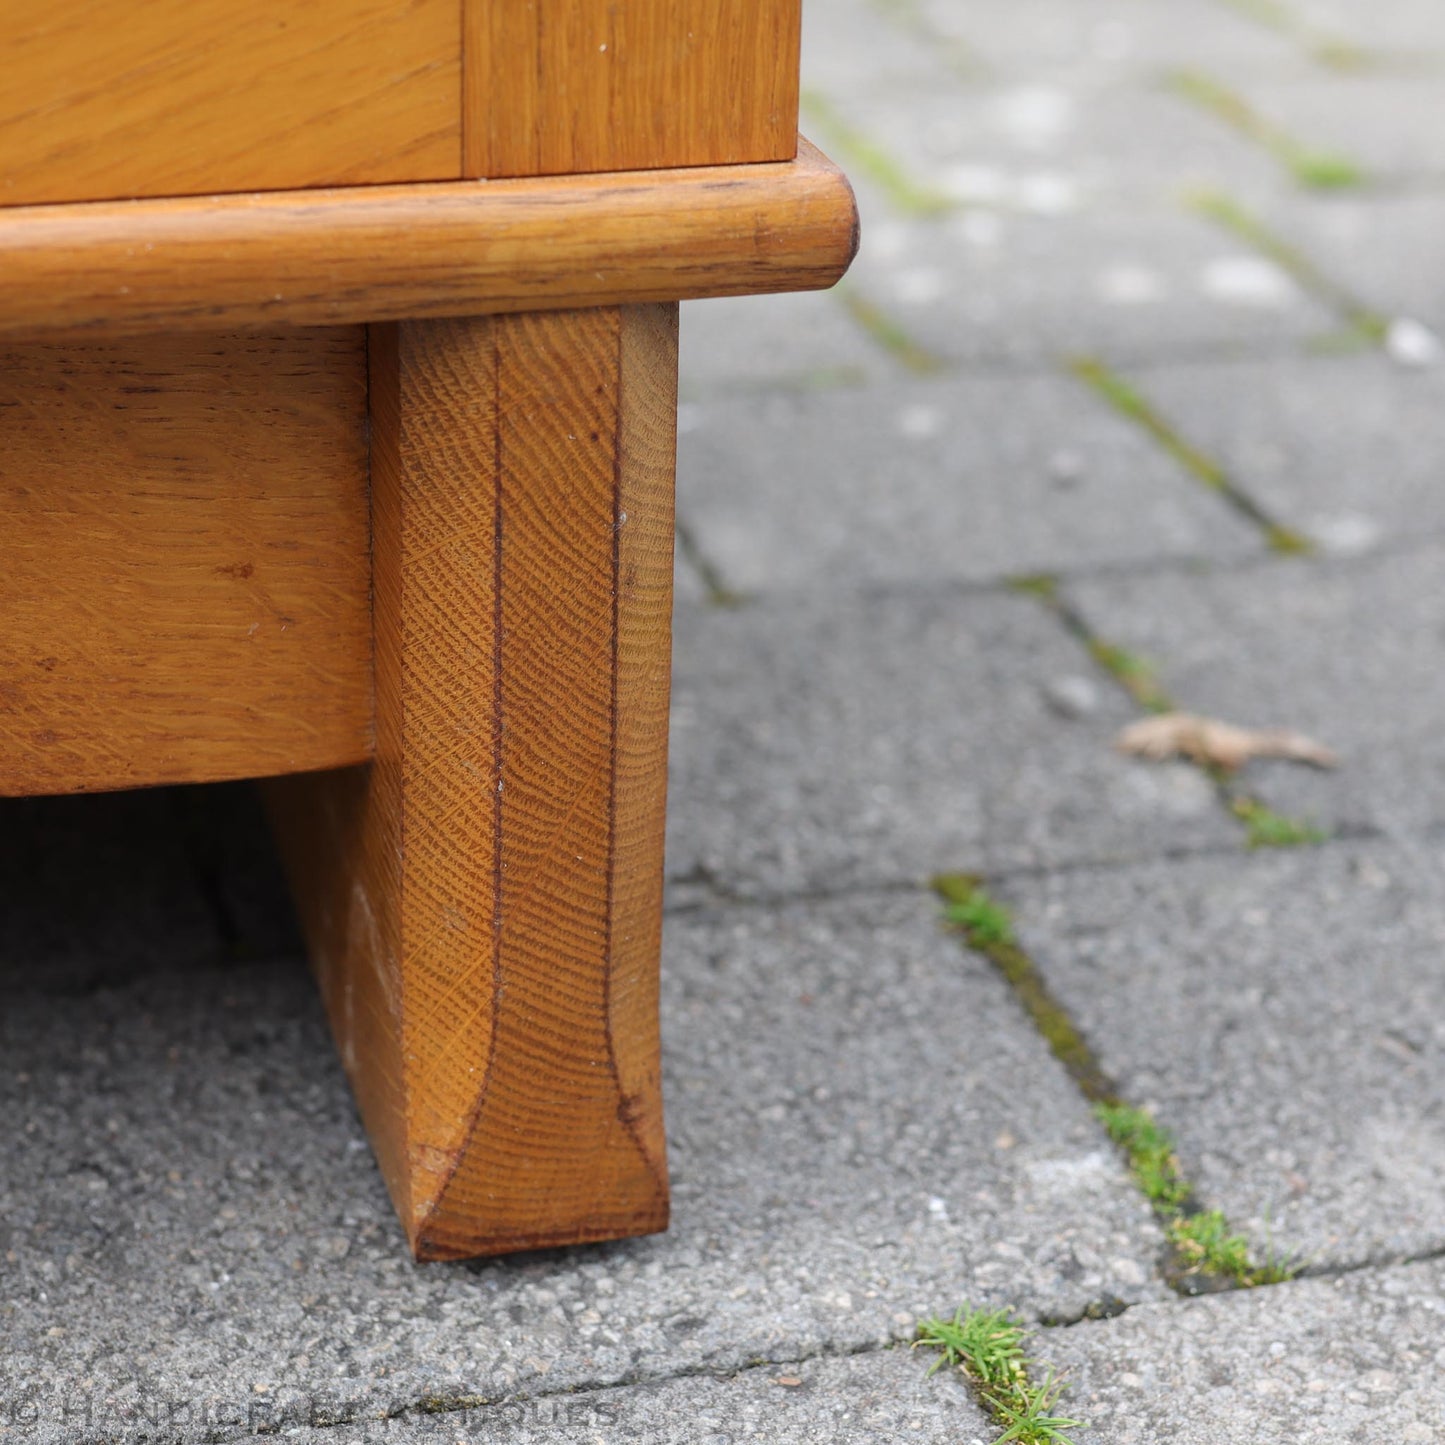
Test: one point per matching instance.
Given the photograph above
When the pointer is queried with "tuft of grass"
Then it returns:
(1316, 169)
(1031, 1419)
(1264, 828)
(889, 334)
(987, 1348)
(1201, 1239)
(1129, 402)
(866, 157)
(988, 1345)
(987, 924)
(1205, 1243)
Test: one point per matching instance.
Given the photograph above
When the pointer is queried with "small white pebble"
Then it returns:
(974, 184)
(1065, 467)
(978, 228)
(1248, 281)
(1130, 285)
(1409, 343)
(918, 287)
(1047, 194)
(918, 423)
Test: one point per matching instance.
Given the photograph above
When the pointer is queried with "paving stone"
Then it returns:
(1310, 1363)
(972, 477)
(1052, 149)
(1391, 125)
(1409, 27)
(838, 741)
(1108, 37)
(1133, 282)
(1347, 652)
(1284, 1014)
(1345, 448)
(847, 43)
(880, 1395)
(758, 345)
(863, 1128)
(1384, 247)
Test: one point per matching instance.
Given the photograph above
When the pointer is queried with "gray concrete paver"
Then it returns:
(840, 741)
(863, 1129)
(1284, 1014)
(1316, 1362)
(1344, 448)
(1346, 652)
(961, 478)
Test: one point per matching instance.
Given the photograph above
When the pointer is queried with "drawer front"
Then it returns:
(105, 99)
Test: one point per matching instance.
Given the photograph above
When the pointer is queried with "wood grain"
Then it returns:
(392, 253)
(560, 86)
(108, 98)
(485, 913)
(183, 526)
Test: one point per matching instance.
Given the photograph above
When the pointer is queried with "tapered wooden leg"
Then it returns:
(483, 900)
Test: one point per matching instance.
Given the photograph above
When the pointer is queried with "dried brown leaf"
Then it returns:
(1207, 740)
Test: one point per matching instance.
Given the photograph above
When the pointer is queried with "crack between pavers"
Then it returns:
(1202, 1254)
(459, 1403)
(1131, 569)
(1311, 168)
(718, 592)
(1133, 406)
(1136, 677)
(720, 896)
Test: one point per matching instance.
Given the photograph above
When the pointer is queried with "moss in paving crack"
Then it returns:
(867, 158)
(1226, 212)
(1328, 50)
(719, 594)
(1264, 828)
(889, 334)
(1320, 170)
(1133, 673)
(987, 1348)
(1200, 1241)
(1128, 401)
(1150, 1150)
(987, 927)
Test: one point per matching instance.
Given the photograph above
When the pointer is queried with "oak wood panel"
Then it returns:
(108, 98)
(559, 86)
(486, 910)
(183, 559)
(389, 253)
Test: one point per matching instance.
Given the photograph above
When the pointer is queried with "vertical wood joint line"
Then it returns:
(498, 700)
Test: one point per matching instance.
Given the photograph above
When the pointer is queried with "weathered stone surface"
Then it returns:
(1312, 1363)
(1343, 448)
(836, 741)
(863, 1129)
(1347, 652)
(1284, 1014)
(973, 478)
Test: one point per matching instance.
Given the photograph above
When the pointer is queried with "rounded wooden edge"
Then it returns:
(383, 253)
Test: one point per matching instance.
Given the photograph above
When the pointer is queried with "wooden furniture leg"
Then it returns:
(483, 900)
